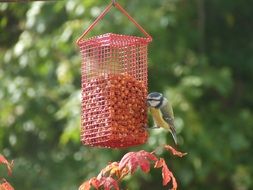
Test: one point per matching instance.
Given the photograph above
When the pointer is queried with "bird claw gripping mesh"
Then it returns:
(114, 90)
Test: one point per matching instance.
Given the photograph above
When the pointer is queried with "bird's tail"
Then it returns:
(174, 133)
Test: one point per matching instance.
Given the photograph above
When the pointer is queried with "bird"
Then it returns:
(162, 113)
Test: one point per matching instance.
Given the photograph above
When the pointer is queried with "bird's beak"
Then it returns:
(148, 103)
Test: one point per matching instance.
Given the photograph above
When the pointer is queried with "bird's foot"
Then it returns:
(147, 127)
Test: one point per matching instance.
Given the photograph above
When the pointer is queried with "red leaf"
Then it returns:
(113, 170)
(108, 183)
(166, 173)
(174, 151)
(88, 184)
(85, 186)
(8, 165)
(132, 160)
(4, 185)
(145, 165)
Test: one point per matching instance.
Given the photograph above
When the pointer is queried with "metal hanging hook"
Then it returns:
(113, 2)
(107, 9)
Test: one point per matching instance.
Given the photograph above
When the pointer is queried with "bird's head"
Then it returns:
(155, 99)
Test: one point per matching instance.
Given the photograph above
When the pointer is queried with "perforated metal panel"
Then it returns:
(114, 90)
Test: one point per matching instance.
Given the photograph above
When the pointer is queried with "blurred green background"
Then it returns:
(201, 57)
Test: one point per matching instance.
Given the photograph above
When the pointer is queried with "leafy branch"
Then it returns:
(112, 174)
(4, 184)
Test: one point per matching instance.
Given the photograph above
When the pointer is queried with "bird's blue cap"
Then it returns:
(154, 95)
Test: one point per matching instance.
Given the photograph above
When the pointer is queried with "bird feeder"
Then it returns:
(114, 87)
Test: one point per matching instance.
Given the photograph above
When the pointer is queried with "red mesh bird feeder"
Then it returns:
(114, 87)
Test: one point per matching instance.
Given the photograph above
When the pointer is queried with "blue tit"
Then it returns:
(162, 112)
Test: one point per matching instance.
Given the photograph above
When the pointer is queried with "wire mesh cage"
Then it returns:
(114, 89)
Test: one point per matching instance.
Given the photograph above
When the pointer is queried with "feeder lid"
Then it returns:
(114, 40)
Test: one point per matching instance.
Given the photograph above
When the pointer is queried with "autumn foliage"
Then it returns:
(4, 184)
(112, 174)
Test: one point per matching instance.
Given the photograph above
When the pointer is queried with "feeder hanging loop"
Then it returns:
(107, 9)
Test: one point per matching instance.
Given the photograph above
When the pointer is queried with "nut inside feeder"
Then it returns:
(114, 87)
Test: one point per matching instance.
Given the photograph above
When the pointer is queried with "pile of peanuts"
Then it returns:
(114, 111)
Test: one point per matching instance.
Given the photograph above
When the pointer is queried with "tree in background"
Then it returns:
(201, 56)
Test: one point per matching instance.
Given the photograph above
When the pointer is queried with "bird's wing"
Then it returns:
(167, 114)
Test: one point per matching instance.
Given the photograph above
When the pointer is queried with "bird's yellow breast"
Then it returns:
(158, 119)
